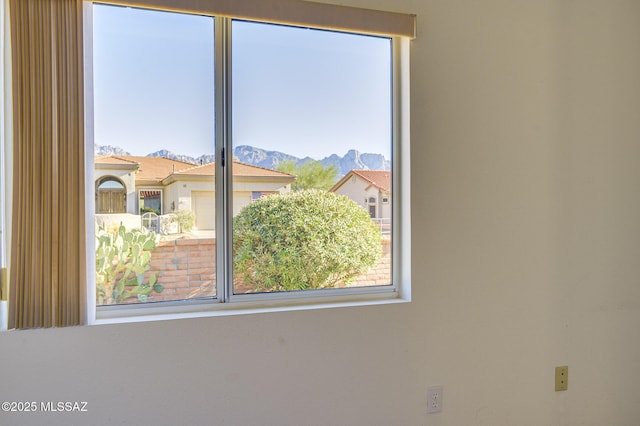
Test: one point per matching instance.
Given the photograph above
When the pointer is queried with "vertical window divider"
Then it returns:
(224, 157)
(401, 208)
(87, 10)
(396, 185)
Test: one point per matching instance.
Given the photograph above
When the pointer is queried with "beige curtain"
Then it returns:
(47, 269)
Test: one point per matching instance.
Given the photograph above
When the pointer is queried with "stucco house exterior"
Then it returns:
(126, 184)
(369, 188)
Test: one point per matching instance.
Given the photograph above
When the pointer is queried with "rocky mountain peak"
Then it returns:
(353, 159)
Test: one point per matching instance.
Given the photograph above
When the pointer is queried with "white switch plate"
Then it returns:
(434, 399)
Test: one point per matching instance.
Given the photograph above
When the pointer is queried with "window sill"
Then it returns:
(204, 309)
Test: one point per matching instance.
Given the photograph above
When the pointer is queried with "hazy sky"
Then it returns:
(300, 91)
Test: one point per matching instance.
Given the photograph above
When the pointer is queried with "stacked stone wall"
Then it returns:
(186, 268)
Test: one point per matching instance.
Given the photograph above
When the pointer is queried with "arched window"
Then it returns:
(111, 195)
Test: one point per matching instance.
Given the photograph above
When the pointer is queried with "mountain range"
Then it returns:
(353, 159)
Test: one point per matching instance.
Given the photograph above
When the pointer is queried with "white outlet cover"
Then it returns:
(434, 399)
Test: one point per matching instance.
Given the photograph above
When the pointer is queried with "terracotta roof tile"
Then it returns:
(110, 159)
(239, 169)
(156, 168)
(381, 179)
(159, 168)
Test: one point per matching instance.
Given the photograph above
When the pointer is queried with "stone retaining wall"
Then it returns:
(186, 269)
(380, 274)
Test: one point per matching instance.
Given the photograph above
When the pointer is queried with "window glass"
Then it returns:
(110, 183)
(154, 137)
(311, 127)
(150, 201)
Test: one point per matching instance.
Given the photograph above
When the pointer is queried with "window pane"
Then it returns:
(311, 119)
(154, 140)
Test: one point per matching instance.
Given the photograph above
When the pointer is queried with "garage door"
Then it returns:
(240, 200)
(203, 203)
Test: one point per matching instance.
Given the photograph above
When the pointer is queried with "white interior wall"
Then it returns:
(526, 235)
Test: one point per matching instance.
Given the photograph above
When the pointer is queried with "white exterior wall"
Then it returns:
(170, 199)
(354, 188)
(180, 192)
(385, 208)
(360, 191)
(260, 185)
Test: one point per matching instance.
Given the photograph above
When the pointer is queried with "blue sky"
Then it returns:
(300, 91)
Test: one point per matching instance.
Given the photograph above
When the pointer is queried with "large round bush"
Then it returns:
(303, 240)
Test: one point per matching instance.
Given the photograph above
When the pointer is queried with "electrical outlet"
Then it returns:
(434, 399)
(562, 378)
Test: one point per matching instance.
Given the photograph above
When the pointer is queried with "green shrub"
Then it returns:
(122, 258)
(310, 175)
(186, 220)
(303, 240)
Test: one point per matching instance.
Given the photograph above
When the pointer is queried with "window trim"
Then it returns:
(89, 173)
(228, 303)
(201, 309)
(139, 197)
(291, 12)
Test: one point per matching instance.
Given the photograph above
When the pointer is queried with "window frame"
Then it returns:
(139, 197)
(226, 302)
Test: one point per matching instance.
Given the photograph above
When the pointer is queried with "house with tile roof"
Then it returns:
(126, 184)
(369, 188)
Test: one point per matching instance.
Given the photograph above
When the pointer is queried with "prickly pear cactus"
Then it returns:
(122, 258)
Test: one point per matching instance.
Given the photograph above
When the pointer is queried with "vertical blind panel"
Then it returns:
(47, 270)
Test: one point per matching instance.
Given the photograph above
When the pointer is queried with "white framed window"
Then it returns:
(150, 201)
(198, 100)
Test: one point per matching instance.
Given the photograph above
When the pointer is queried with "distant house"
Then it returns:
(369, 188)
(136, 184)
